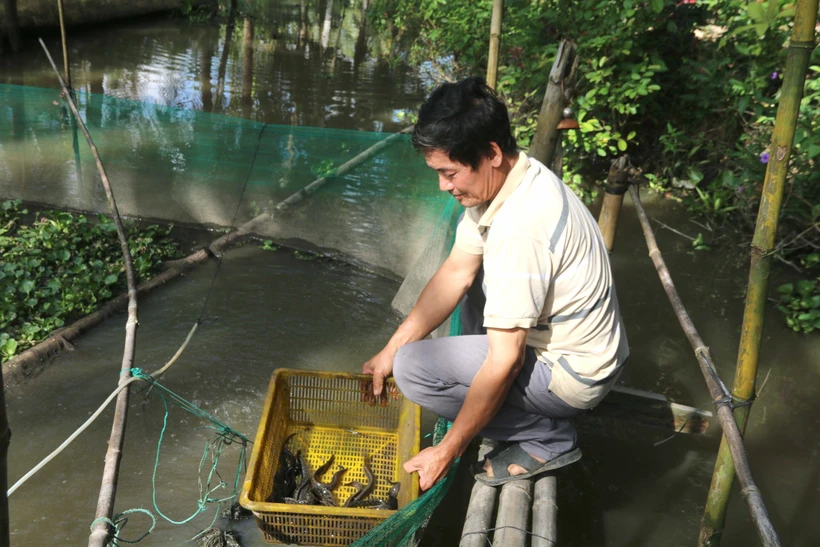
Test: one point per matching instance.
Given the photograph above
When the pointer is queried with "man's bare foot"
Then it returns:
(513, 469)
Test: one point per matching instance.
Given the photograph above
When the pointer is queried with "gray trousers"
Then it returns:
(437, 373)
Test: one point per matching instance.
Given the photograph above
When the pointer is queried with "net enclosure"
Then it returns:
(383, 212)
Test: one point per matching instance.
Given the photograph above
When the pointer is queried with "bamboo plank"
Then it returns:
(479, 516)
(545, 512)
(514, 504)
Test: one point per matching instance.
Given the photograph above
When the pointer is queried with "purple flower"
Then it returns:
(764, 157)
(774, 75)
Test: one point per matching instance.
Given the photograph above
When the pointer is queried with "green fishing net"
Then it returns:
(208, 170)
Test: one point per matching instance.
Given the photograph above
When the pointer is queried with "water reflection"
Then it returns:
(295, 62)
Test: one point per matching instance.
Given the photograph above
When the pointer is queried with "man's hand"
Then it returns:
(381, 368)
(431, 464)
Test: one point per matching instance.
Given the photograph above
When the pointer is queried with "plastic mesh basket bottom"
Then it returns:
(322, 415)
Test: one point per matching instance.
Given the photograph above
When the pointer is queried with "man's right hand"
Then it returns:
(381, 368)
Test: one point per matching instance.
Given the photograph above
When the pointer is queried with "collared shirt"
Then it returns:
(546, 269)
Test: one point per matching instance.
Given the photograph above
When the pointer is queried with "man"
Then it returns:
(527, 251)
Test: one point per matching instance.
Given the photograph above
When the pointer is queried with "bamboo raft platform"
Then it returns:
(526, 511)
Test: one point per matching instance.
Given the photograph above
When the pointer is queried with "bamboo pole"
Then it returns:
(717, 390)
(67, 73)
(616, 185)
(25, 364)
(545, 512)
(797, 61)
(5, 437)
(475, 533)
(514, 504)
(108, 489)
(560, 88)
(495, 42)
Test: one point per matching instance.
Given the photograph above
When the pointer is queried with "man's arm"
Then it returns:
(484, 398)
(437, 301)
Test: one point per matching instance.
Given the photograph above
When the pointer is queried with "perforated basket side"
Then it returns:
(322, 414)
(270, 436)
(335, 401)
(305, 529)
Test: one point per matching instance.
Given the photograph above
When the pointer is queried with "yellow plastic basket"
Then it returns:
(325, 413)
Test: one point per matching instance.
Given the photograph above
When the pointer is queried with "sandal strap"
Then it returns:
(513, 455)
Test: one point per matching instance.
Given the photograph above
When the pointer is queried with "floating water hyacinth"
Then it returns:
(764, 157)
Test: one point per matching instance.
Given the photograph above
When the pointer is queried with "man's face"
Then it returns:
(471, 187)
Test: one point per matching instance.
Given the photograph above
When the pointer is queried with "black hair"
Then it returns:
(462, 119)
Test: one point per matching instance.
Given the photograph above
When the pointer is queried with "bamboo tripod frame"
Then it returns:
(720, 395)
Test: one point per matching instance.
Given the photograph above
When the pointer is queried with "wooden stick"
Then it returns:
(751, 334)
(545, 512)
(108, 489)
(650, 409)
(495, 42)
(718, 391)
(67, 74)
(560, 87)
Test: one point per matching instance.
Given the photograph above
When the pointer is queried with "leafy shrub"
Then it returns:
(689, 88)
(801, 304)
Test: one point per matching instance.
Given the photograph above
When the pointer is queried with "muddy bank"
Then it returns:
(43, 13)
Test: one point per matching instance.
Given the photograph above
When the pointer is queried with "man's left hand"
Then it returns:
(431, 464)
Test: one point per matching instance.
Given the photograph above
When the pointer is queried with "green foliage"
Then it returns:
(698, 244)
(306, 255)
(800, 303)
(61, 266)
(689, 88)
(198, 14)
(268, 245)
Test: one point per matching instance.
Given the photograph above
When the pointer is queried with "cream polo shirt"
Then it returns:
(546, 269)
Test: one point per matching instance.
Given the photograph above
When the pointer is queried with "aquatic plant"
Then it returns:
(59, 266)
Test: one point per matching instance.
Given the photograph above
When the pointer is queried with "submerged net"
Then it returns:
(191, 167)
(209, 170)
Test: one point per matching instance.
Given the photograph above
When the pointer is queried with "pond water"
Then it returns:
(270, 310)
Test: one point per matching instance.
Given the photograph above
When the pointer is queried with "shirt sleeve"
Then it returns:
(518, 274)
(468, 236)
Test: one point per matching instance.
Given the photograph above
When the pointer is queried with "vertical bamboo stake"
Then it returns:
(560, 87)
(495, 41)
(616, 185)
(800, 47)
(108, 489)
(5, 437)
(67, 73)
